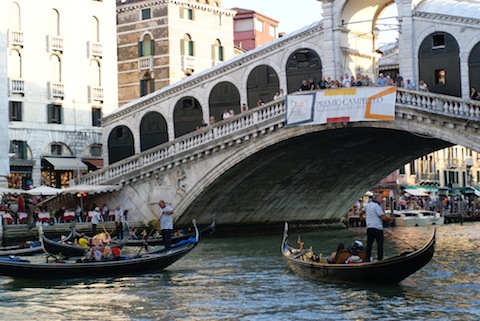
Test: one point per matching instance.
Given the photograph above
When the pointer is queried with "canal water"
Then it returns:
(245, 278)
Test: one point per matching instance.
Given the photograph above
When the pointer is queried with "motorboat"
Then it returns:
(408, 218)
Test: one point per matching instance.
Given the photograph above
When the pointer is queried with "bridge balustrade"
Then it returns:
(201, 141)
(435, 103)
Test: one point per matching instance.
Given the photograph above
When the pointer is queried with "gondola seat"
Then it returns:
(8, 218)
(22, 218)
(343, 255)
(111, 215)
(90, 215)
(44, 217)
(68, 216)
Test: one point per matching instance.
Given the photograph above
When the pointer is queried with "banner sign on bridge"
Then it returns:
(341, 105)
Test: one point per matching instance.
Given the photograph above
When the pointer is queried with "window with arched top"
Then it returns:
(15, 65)
(55, 69)
(14, 17)
(146, 46)
(95, 73)
(187, 45)
(120, 144)
(153, 130)
(217, 50)
(94, 29)
(54, 23)
(147, 84)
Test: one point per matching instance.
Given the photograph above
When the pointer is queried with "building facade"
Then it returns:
(452, 167)
(61, 77)
(161, 42)
(253, 29)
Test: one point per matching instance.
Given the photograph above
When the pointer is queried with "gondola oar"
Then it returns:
(148, 236)
(459, 273)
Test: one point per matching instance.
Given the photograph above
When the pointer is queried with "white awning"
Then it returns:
(415, 192)
(66, 164)
(90, 189)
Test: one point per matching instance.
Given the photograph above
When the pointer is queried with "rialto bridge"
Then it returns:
(252, 168)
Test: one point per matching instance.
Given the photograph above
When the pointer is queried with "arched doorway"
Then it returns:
(302, 64)
(187, 116)
(120, 144)
(439, 64)
(224, 96)
(153, 130)
(262, 84)
(474, 67)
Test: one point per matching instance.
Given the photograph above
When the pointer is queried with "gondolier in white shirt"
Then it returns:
(375, 218)
(166, 223)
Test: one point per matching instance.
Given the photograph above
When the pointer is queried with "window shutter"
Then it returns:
(140, 49)
(152, 47)
(181, 12)
(220, 53)
(191, 48)
(214, 52)
(182, 46)
(142, 87)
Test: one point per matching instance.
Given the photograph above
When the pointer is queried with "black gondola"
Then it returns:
(27, 248)
(387, 271)
(70, 249)
(154, 241)
(121, 266)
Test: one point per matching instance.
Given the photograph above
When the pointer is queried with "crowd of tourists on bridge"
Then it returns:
(348, 81)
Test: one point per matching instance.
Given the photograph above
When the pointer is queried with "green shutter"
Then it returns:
(191, 48)
(220, 53)
(214, 51)
(182, 46)
(152, 47)
(140, 49)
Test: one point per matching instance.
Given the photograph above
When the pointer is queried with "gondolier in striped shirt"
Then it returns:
(375, 218)
(119, 218)
(166, 223)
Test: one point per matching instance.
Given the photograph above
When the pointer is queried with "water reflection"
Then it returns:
(246, 279)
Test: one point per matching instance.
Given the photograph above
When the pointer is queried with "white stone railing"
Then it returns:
(439, 104)
(96, 93)
(55, 43)
(16, 86)
(145, 63)
(57, 89)
(95, 49)
(15, 37)
(274, 111)
(189, 143)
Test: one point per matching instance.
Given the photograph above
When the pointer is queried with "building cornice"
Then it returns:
(216, 72)
(446, 18)
(194, 5)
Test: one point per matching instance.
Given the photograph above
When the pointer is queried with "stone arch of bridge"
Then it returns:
(223, 96)
(302, 63)
(439, 63)
(281, 176)
(153, 130)
(121, 144)
(187, 115)
(262, 83)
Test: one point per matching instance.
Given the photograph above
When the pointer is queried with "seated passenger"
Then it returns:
(107, 253)
(82, 241)
(356, 248)
(333, 256)
(94, 254)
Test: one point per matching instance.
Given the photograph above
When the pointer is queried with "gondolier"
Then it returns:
(375, 218)
(119, 218)
(166, 223)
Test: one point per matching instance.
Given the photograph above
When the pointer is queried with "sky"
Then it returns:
(292, 16)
